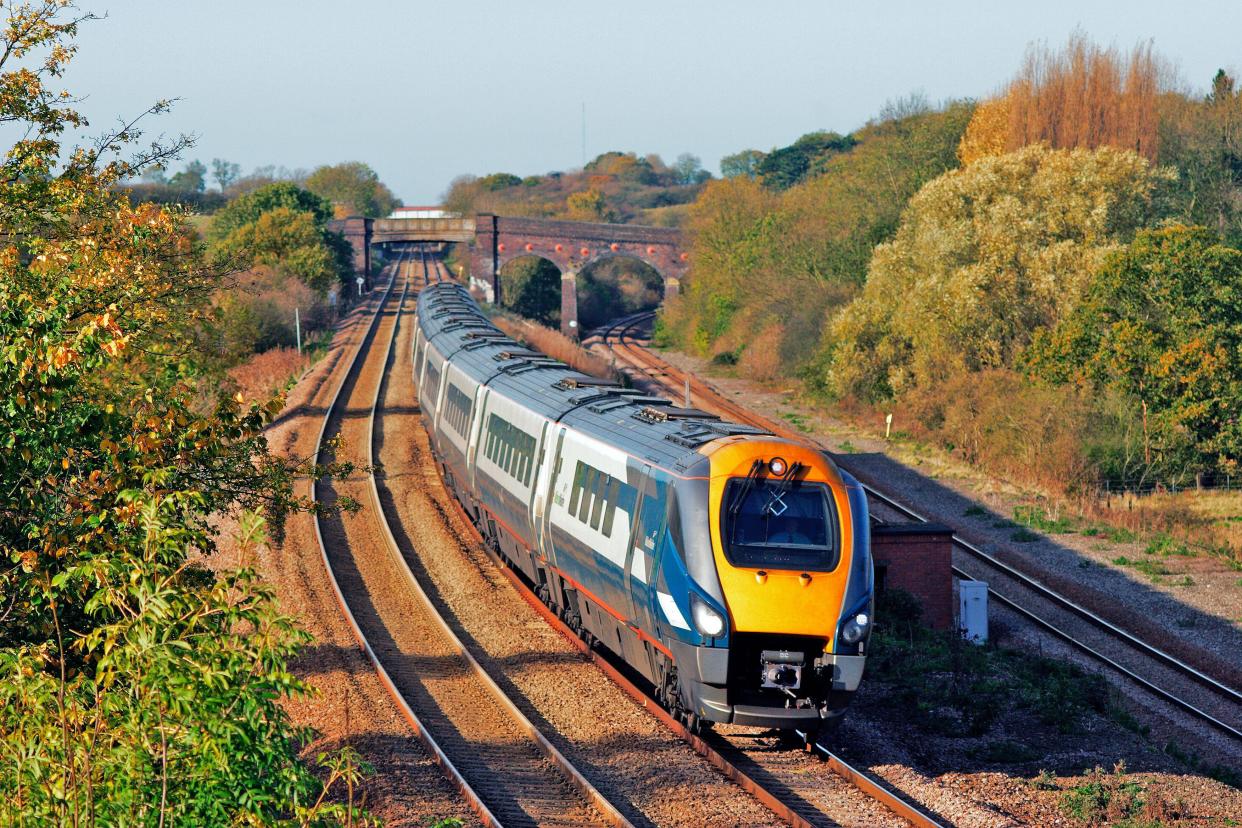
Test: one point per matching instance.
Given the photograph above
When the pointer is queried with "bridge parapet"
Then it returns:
(422, 229)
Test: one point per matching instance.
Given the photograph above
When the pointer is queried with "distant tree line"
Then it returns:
(614, 187)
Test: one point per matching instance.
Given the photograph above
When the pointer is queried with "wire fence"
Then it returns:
(1141, 488)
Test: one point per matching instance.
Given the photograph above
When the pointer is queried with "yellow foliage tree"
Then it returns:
(988, 131)
(984, 256)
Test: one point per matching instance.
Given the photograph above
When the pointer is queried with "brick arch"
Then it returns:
(536, 255)
(499, 239)
(621, 254)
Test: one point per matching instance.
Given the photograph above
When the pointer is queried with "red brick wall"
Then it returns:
(918, 558)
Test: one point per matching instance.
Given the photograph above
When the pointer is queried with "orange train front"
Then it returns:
(729, 567)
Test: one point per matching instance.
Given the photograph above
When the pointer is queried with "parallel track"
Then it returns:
(508, 772)
(619, 338)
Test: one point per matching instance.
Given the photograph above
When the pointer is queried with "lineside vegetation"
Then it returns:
(1042, 282)
(137, 685)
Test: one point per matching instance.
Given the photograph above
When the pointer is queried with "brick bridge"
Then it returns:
(496, 240)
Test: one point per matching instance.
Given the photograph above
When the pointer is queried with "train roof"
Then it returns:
(648, 427)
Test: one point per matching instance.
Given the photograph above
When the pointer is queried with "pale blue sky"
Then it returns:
(424, 91)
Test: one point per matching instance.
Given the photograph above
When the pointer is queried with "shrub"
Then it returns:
(984, 257)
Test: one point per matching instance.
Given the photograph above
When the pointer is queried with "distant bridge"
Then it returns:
(496, 240)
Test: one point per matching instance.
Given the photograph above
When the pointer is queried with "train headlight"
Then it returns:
(709, 622)
(777, 466)
(855, 628)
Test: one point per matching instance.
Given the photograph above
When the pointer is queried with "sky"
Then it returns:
(427, 91)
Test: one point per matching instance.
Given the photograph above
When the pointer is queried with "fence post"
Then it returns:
(297, 324)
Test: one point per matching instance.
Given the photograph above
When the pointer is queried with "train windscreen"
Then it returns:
(780, 524)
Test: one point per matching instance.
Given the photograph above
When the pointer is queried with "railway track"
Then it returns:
(1153, 670)
(780, 782)
(506, 769)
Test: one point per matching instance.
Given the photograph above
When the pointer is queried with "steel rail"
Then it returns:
(384, 522)
(473, 800)
(629, 323)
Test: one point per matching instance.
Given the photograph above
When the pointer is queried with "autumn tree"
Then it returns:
(1081, 95)
(588, 205)
(354, 190)
(763, 258)
(115, 471)
(247, 208)
(289, 240)
(1161, 321)
(984, 257)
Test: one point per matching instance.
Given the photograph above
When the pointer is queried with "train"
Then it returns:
(728, 567)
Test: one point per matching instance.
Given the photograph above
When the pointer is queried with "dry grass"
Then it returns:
(267, 374)
(761, 361)
(554, 344)
(1200, 521)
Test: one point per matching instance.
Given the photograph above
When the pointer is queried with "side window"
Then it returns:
(510, 448)
(652, 521)
(433, 380)
(458, 405)
(595, 496)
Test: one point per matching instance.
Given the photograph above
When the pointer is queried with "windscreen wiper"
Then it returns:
(782, 485)
(740, 497)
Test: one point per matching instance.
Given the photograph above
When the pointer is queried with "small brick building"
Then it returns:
(917, 557)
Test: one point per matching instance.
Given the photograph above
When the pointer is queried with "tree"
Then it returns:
(588, 205)
(354, 189)
(688, 169)
(499, 181)
(984, 257)
(224, 172)
(782, 168)
(192, 179)
(744, 163)
(531, 286)
(1162, 322)
(767, 258)
(248, 208)
(290, 241)
(1203, 139)
(1082, 95)
(115, 467)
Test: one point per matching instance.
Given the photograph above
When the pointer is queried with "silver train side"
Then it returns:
(628, 515)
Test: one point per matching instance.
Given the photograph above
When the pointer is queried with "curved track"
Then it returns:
(780, 779)
(504, 767)
(1164, 676)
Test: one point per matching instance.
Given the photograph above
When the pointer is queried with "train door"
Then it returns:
(549, 465)
(476, 431)
(645, 540)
